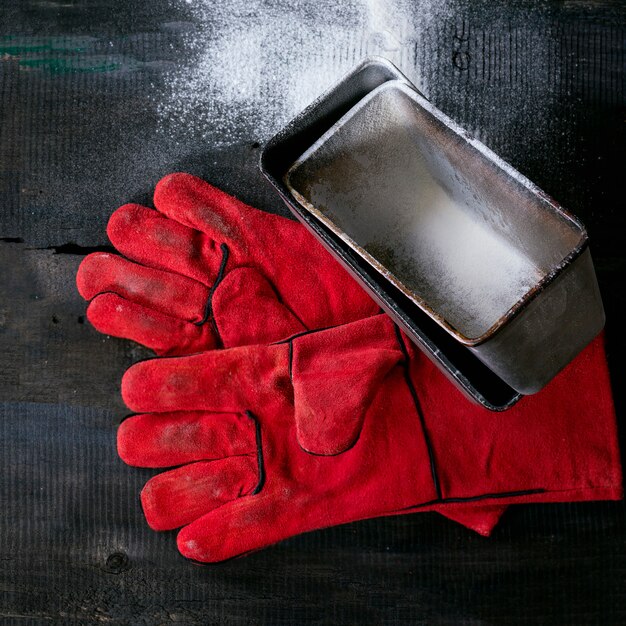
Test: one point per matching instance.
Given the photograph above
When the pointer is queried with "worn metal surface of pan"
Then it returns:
(457, 361)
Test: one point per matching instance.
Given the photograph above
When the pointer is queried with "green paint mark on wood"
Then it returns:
(19, 50)
(68, 66)
(62, 55)
(14, 45)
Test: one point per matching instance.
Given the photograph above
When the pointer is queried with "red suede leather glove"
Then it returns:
(205, 270)
(197, 240)
(328, 428)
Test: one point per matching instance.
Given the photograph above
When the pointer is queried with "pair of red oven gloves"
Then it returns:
(291, 403)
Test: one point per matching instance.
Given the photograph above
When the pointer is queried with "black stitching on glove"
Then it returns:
(420, 414)
(208, 311)
(259, 453)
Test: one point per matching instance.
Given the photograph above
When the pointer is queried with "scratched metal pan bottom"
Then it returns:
(456, 360)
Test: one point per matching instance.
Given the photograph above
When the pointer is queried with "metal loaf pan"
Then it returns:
(461, 366)
(464, 252)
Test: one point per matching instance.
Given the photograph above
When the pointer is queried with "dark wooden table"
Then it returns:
(85, 126)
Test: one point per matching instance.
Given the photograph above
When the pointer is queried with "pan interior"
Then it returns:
(439, 220)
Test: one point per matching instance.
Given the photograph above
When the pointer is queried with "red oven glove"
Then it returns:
(164, 292)
(329, 428)
(204, 270)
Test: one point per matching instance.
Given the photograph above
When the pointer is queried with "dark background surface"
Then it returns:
(82, 86)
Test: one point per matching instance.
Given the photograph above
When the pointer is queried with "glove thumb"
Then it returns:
(335, 377)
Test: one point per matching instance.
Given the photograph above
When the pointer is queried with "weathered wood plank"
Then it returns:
(540, 83)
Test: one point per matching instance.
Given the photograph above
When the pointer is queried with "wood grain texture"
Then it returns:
(74, 144)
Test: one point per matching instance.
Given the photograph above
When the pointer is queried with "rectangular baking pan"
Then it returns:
(407, 199)
(456, 360)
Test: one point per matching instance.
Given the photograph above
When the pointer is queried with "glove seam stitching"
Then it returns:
(420, 414)
(208, 309)
(259, 454)
(482, 496)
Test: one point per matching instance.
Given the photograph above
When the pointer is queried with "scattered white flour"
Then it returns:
(250, 66)
(253, 67)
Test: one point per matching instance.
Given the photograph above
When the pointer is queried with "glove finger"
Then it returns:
(111, 314)
(172, 294)
(197, 204)
(262, 520)
(180, 496)
(241, 526)
(145, 236)
(222, 381)
(169, 439)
